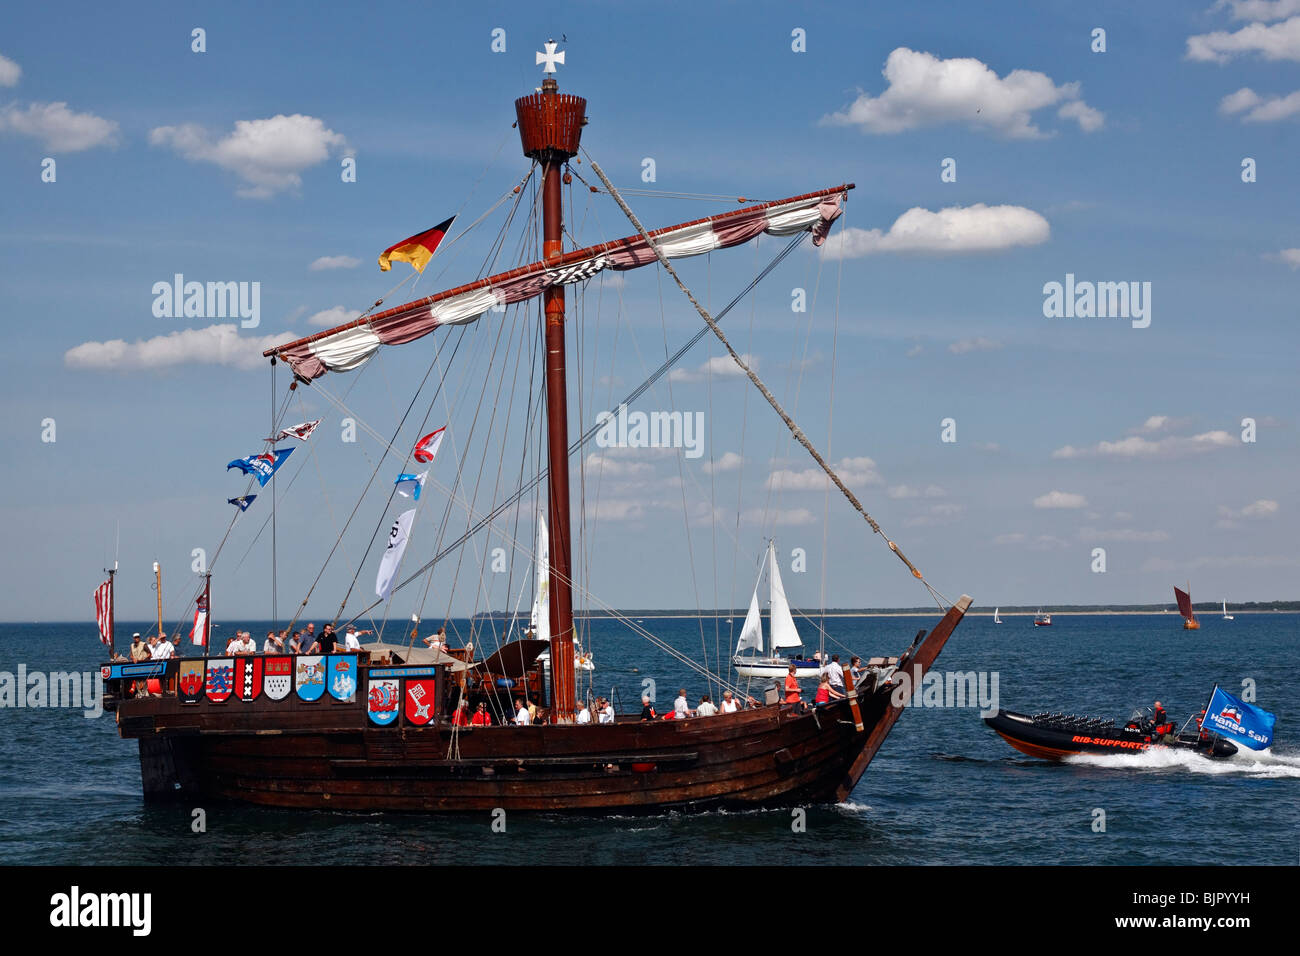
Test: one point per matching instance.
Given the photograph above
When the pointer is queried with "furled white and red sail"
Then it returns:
(350, 345)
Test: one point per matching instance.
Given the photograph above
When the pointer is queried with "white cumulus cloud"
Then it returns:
(1264, 10)
(1258, 109)
(1060, 499)
(719, 365)
(955, 229)
(337, 315)
(60, 129)
(1135, 446)
(269, 155)
(980, 344)
(334, 262)
(1291, 257)
(852, 471)
(1279, 41)
(10, 72)
(924, 90)
(214, 345)
(729, 461)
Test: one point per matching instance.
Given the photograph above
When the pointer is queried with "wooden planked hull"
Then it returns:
(327, 755)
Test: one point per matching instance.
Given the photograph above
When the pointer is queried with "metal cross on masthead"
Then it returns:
(550, 57)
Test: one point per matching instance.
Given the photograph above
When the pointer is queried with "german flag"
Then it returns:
(417, 250)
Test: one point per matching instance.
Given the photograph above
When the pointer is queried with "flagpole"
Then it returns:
(207, 621)
(275, 617)
(157, 574)
(111, 601)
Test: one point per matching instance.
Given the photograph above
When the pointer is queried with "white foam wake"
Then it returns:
(1262, 763)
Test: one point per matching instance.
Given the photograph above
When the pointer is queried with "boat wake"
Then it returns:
(1264, 763)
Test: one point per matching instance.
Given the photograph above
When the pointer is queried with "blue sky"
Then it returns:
(1072, 434)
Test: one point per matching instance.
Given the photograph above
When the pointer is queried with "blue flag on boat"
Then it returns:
(408, 485)
(262, 467)
(1237, 720)
(243, 501)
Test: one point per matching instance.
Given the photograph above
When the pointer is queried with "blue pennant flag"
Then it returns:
(409, 485)
(1237, 720)
(261, 467)
(243, 501)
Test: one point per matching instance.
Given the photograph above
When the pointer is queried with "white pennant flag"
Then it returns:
(397, 539)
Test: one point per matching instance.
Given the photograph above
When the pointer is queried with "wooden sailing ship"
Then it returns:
(1184, 601)
(373, 730)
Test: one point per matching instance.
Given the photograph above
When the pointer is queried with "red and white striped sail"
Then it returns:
(104, 611)
(350, 345)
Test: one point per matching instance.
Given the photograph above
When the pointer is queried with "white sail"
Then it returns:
(541, 617)
(996, 619)
(784, 633)
(392, 558)
(751, 635)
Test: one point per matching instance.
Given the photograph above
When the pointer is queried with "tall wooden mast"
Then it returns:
(550, 127)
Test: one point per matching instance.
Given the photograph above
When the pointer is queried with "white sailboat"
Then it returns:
(1226, 615)
(539, 621)
(996, 619)
(782, 632)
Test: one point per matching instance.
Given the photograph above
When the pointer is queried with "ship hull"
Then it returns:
(329, 755)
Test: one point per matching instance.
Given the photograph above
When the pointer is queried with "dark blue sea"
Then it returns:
(943, 790)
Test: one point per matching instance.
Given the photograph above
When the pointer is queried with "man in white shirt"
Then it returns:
(836, 673)
(606, 712)
(706, 708)
(681, 709)
(521, 713)
(584, 715)
(245, 644)
(352, 639)
(163, 650)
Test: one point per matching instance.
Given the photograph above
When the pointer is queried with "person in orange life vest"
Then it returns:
(481, 717)
(461, 717)
(791, 687)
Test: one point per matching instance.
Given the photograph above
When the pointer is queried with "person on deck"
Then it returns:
(583, 716)
(242, 644)
(295, 643)
(325, 643)
(826, 692)
(606, 711)
(681, 709)
(461, 717)
(647, 712)
(791, 687)
(836, 674)
(481, 716)
(273, 643)
(162, 649)
(855, 670)
(438, 639)
(707, 708)
(729, 703)
(352, 639)
(521, 713)
(139, 649)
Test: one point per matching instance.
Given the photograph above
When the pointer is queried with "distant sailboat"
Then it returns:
(996, 619)
(1184, 599)
(1226, 615)
(782, 633)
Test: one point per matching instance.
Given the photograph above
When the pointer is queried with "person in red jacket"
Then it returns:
(461, 717)
(481, 717)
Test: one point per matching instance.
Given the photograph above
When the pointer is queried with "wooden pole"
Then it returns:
(550, 128)
(157, 575)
